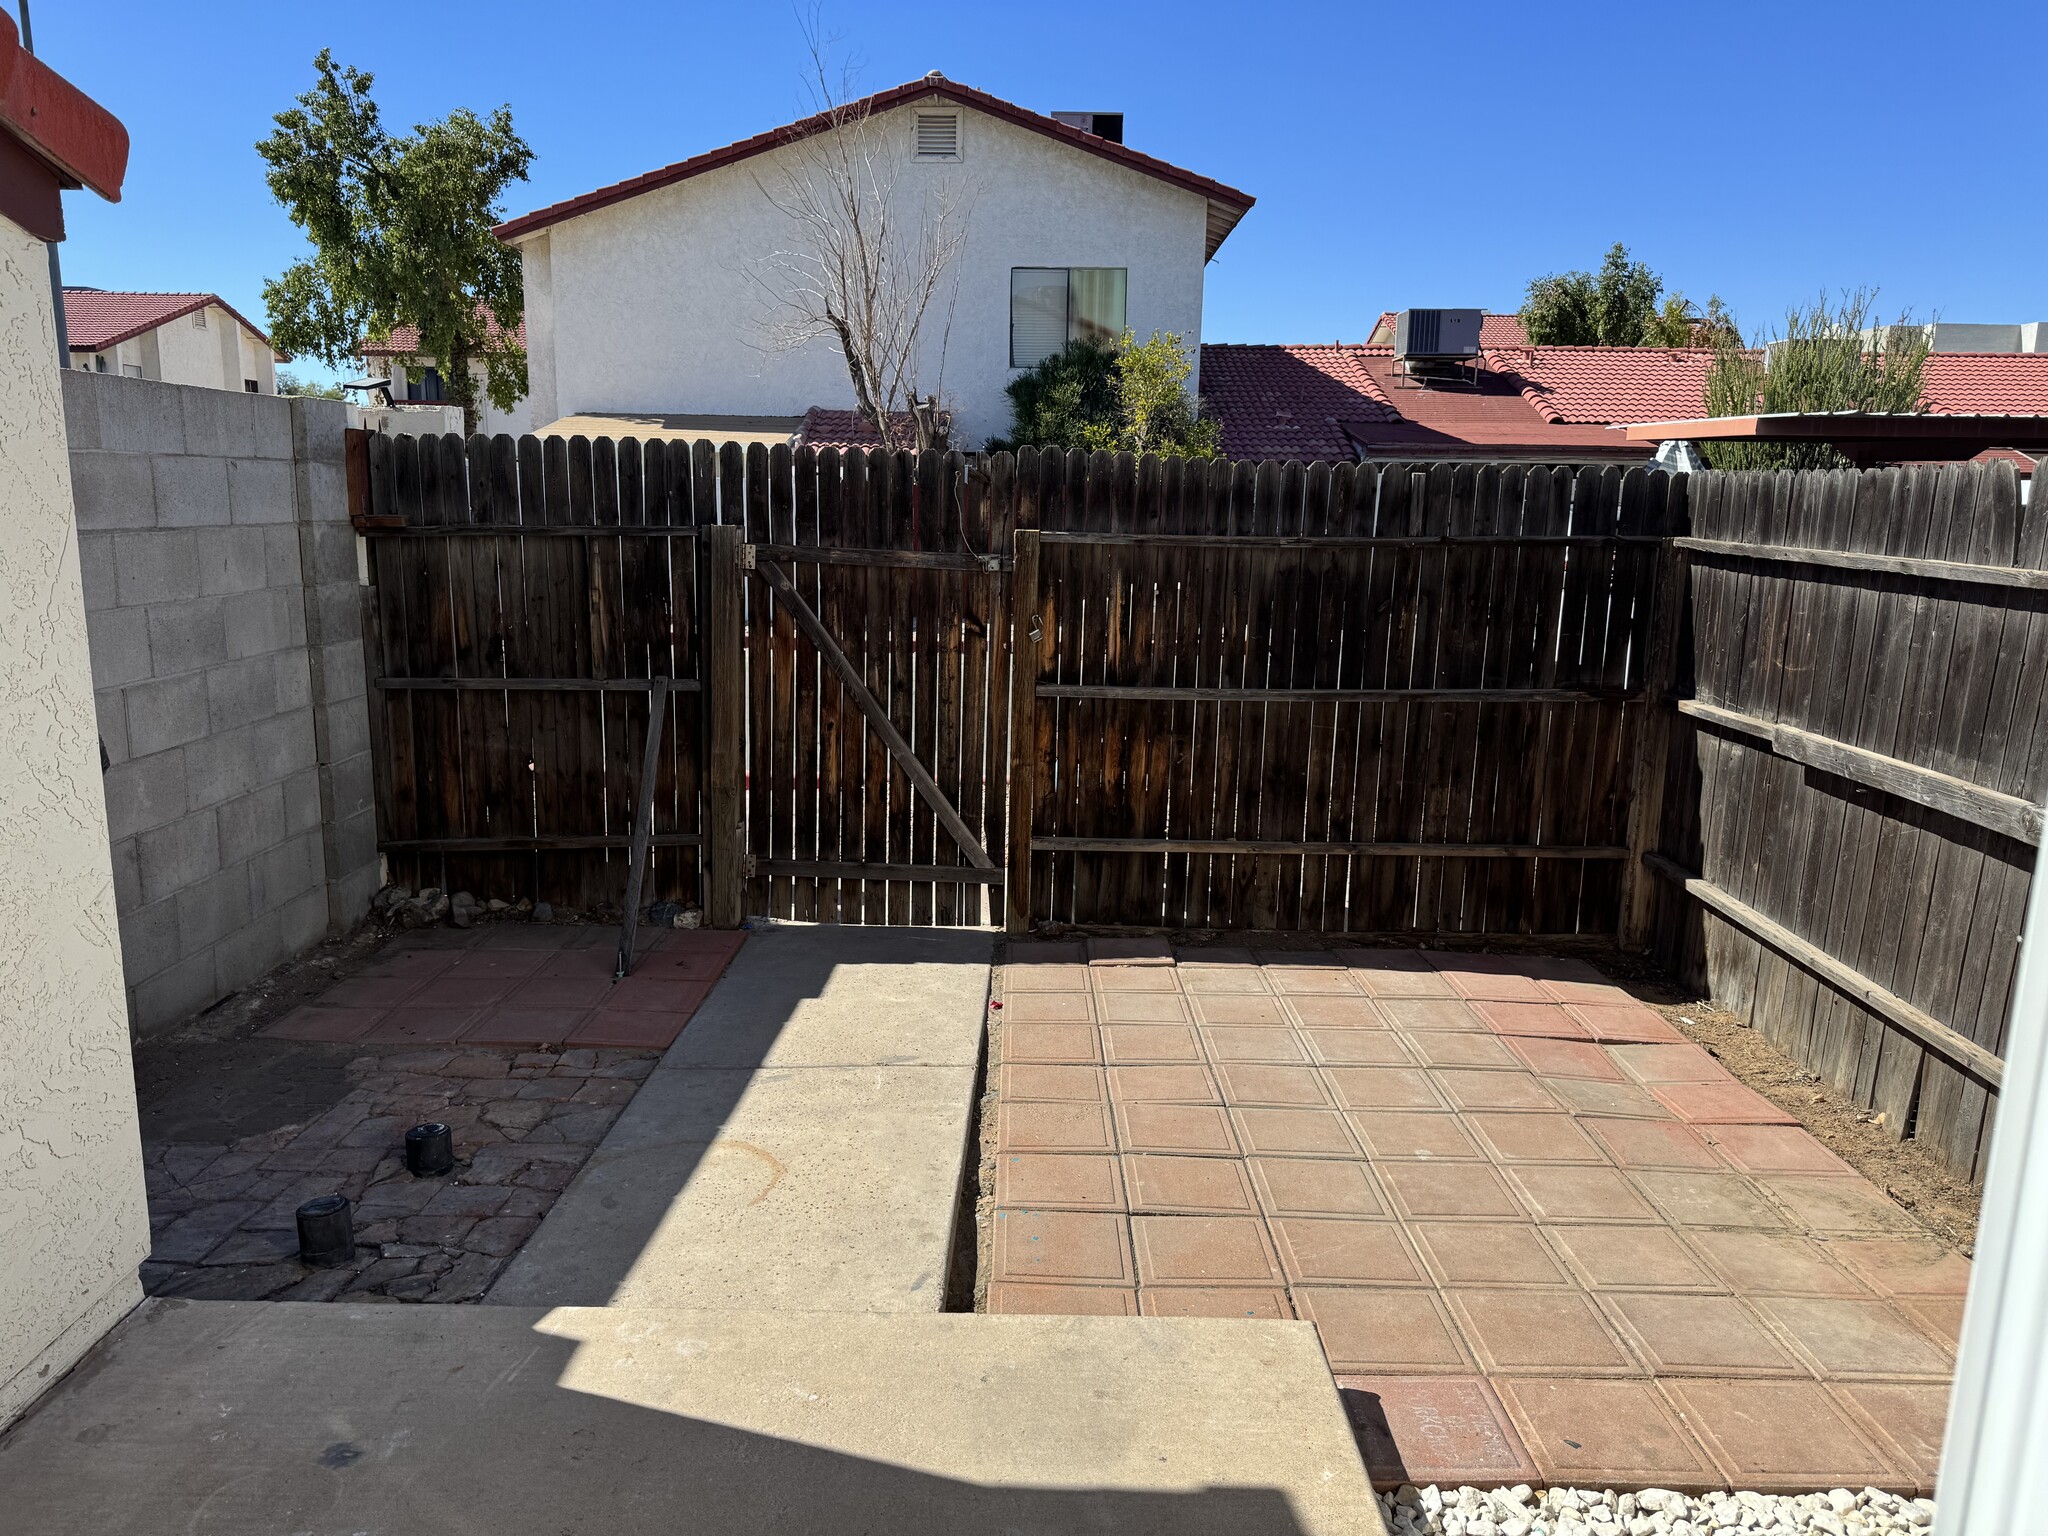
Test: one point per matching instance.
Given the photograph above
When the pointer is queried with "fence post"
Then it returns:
(1025, 641)
(725, 727)
(1651, 748)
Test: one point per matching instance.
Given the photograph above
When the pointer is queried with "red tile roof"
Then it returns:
(826, 428)
(1987, 383)
(1289, 402)
(1496, 418)
(1232, 203)
(95, 319)
(1494, 331)
(1609, 384)
(404, 340)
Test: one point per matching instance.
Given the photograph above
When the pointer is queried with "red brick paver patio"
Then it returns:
(1543, 1236)
(520, 984)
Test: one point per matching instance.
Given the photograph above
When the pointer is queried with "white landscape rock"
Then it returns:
(1525, 1511)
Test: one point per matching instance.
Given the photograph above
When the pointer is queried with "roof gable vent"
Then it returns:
(938, 135)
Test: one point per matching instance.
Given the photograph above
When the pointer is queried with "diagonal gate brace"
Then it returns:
(871, 707)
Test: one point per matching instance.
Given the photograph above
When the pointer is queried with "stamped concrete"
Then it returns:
(799, 1148)
(235, 1418)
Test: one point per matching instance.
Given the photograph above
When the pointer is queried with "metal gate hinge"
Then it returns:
(749, 554)
(749, 866)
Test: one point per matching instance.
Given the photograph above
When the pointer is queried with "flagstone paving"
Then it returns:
(1542, 1235)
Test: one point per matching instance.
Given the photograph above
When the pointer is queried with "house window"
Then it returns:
(1051, 306)
(252, 386)
(938, 135)
(426, 387)
(133, 370)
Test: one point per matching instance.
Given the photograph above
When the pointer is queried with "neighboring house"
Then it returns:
(644, 296)
(419, 379)
(1556, 404)
(173, 338)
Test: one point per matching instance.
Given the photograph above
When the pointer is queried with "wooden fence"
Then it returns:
(1851, 808)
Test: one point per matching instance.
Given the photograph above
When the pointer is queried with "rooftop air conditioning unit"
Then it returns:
(1104, 125)
(1448, 335)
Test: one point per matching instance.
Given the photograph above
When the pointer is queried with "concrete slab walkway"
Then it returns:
(242, 1417)
(799, 1148)
(1543, 1237)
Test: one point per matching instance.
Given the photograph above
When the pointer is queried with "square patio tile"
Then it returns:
(1275, 1087)
(1063, 1247)
(1143, 1008)
(1378, 1088)
(1604, 1434)
(1908, 1421)
(1627, 1024)
(420, 1025)
(1013, 1300)
(1134, 978)
(1413, 1013)
(1719, 1104)
(1131, 951)
(1775, 1264)
(1253, 1043)
(1833, 1203)
(1682, 1335)
(1449, 1430)
(1058, 1181)
(580, 964)
(1313, 1186)
(1534, 1333)
(525, 1026)
(1050, 1044)
(1203, 1250)
(1312, 981)
(562, 992)
(653, 994)
(1254, 1301)
(1324, 1251)
(1651, 1143)
(1507, 1255)
(1403, 1135)
(1636, 1258)
(1470, 1090)
(1389, 1329)
(1595, 989)
(1163, 1085)
(317, 1022)
(401, 959)
(1043, 978)
(449, 990)
(1048, 1008)
(1656, 1065)
(1293, 1132)
(1462, 1048)
(1421, 1191)
(1939, 1317)
(1026, 1080)
(1577, 1194)
(1905, 1266)
(1161, 1184)
(1126, 1045)
(1525, 1138)
(1586, 1096)
(1224, 981)
(1774, 1149)
(1338, 1012)
(371, 991)
(625, 1031)
(1543, 1020)
(1238, 1008)
(540, 936)
(1496, 989)
(666, 964)
(1358, 1047)
(1194, 1129)
(1849, 1340)
(1411, 985)
(1548, 1057)
(1697, 1198)
(1780, 1436)
(1053, 1127)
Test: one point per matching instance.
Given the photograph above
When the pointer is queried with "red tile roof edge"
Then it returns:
(404, 340)
(59, 123)
(78, 300)
(881, 101)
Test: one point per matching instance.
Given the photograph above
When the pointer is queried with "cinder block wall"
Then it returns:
(223, 609)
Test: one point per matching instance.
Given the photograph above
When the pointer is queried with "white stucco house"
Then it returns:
(174, 338)
(416, 379)
(648, 296)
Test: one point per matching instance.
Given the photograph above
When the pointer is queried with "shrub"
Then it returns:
(1129, 398)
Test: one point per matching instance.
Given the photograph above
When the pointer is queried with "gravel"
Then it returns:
(1525, 1511)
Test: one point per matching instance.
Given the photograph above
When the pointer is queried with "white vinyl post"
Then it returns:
(1994, 1460)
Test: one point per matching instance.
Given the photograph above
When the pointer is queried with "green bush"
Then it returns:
(1129, 398)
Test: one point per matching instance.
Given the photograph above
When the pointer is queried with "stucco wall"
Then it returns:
(489, 419)
(73, 1222)
(224, 608)
(651, 307)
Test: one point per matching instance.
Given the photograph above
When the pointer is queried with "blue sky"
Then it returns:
(1758, 151)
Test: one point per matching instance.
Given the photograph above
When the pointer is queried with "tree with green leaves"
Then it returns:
(401, 233)
(1128, 398)
(1622, 305)
(1829, 357)
(290, 384)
